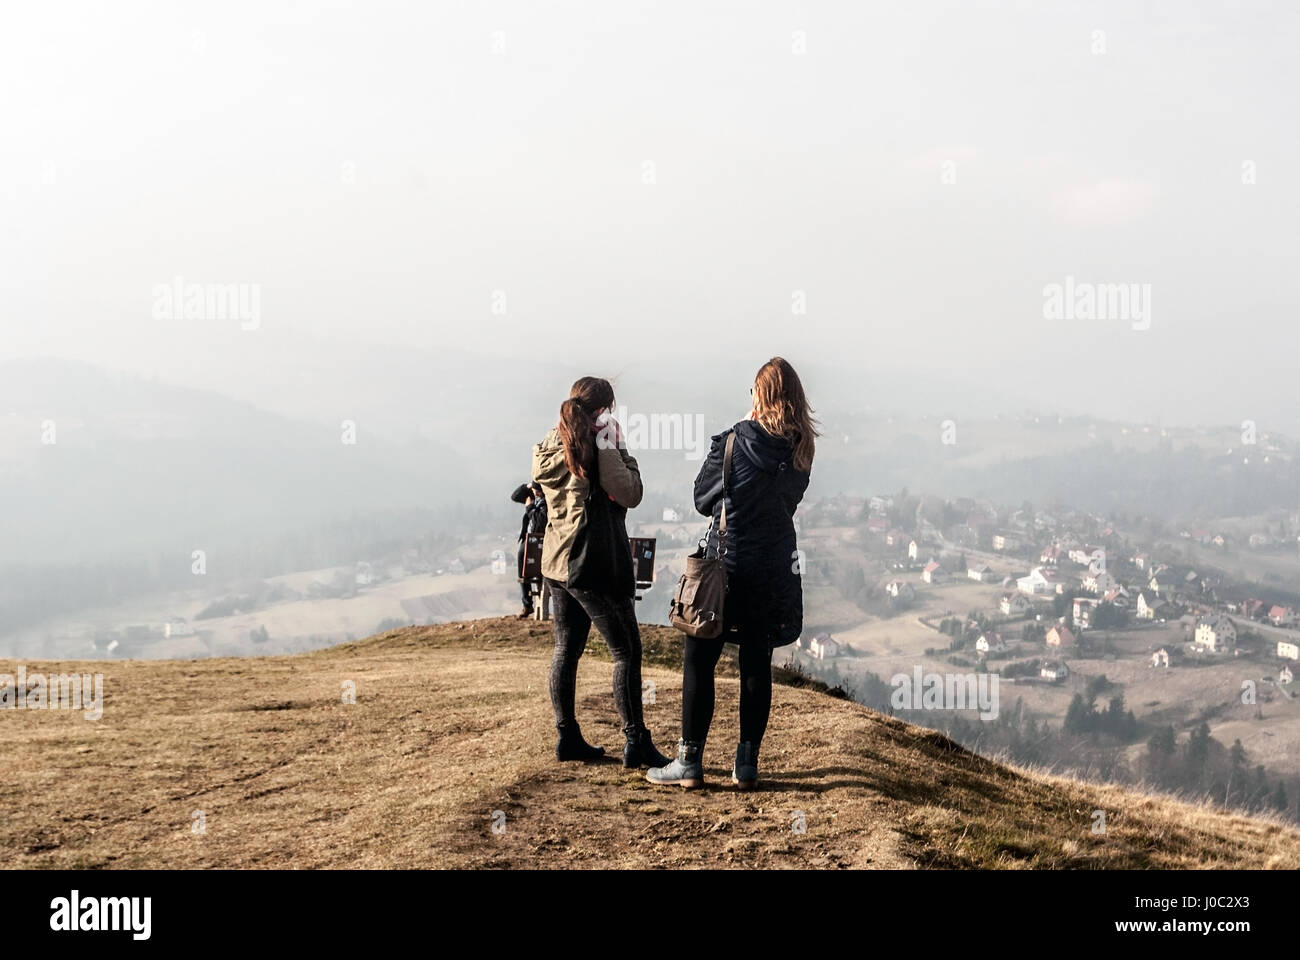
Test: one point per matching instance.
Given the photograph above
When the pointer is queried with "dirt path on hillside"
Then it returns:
(816, 808)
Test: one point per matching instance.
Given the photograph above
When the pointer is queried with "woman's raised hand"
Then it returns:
(608, 432)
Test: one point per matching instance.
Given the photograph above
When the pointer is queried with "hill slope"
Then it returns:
(453, 722)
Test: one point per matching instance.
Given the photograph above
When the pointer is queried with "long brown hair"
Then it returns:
(781, 407)
(588, 397)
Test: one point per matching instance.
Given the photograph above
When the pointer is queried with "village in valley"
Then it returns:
(1142, 632)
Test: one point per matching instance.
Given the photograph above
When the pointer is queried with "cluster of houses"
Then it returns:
(1106, 587)
(1059, 639)
(1137, 586)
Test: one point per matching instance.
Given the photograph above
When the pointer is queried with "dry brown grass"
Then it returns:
(453, 722)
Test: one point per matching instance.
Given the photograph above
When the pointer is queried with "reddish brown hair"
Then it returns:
(781, 407)
(587, 398)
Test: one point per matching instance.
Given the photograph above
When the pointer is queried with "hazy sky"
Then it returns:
(623, 184)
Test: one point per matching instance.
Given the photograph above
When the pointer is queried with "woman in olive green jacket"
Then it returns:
(590, 481)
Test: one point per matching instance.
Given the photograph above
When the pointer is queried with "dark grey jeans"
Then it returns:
(574, 613)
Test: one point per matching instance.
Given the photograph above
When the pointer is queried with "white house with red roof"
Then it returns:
(1041, 580)
(1281, 616)
(1116, 596)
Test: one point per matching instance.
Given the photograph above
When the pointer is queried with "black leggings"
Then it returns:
(574, 612)
(699, 661)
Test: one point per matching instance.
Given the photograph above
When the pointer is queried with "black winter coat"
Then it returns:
(534, 520)
(764, 582)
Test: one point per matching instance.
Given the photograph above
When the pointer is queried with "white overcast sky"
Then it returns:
(379, 169)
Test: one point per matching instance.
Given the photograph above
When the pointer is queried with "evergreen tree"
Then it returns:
(1162, 743)
(1198, 747)
(1079, 716)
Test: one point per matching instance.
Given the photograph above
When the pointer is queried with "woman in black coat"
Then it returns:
(771, 460)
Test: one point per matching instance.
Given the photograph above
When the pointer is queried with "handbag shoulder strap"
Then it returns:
(726, 471)
(593, 480)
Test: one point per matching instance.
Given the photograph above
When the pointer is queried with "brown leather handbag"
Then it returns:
(697, 605)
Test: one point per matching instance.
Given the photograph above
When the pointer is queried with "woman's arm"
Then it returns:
(620, 476)
(708, 483)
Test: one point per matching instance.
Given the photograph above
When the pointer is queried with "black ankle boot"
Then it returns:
(744, 772)
(640, 752)
(571, 746)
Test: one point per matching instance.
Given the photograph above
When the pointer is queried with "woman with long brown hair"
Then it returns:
(771, 460)
(590, 482)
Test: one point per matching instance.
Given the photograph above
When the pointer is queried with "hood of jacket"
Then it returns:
(764, 450)
(549, 466)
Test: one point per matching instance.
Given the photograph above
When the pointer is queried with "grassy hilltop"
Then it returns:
(453, 722)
